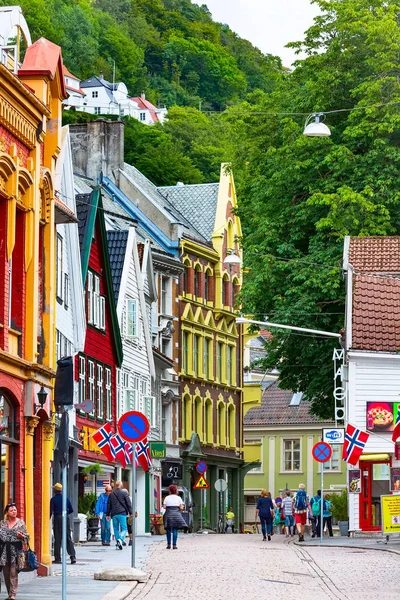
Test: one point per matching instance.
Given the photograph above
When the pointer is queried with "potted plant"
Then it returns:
(340, 512)
(94, 469)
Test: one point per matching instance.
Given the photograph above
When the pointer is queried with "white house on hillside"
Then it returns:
(98, 96)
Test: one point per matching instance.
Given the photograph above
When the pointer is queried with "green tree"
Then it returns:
(300, 196)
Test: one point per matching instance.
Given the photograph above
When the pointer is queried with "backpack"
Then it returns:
(301, 500)
(316, 506)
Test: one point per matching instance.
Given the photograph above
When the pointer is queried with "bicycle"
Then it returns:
(220, 524)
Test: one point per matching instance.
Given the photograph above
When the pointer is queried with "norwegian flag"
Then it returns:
(396, 431)
(102, 437)
(128, 453)
(143, 456)
(118, 445)
(354, 443)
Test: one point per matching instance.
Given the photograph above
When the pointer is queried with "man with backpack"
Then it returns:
(301, 505)
(315, 512)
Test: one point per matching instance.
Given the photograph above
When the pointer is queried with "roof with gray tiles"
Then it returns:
(83, 206)
(117, 241)
(197, 202)
(159, 199)
(276, 409)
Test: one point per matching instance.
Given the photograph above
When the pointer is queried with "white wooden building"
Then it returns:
(372, 267)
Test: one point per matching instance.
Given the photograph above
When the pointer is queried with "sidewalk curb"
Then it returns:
(319, 545)
(121, 591)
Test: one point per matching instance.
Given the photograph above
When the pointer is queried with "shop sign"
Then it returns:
(395, 479)
(333, 435)
(390, 514)
(158, 450)
(171, 470)
(381, 416)
(88, 442)
(355, 481)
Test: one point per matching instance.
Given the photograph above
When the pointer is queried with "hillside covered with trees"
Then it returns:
(171, 49)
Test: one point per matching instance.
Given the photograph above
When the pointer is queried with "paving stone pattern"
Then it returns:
(229, 567)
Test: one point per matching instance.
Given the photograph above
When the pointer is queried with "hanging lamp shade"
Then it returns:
(316, 128)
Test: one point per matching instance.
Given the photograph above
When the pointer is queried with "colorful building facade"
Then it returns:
(30, 127)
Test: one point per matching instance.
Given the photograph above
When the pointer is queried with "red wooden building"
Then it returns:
(95, 368)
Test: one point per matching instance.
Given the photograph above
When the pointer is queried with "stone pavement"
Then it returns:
(376, 542)
(80, 583)
(230, 567)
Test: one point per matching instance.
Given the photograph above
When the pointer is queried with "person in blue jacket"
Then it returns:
(56, 513)
(101, 511)
(265, 510)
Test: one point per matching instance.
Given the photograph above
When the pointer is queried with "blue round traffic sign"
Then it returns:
(133, 426)
(322, 452)
(201, 467)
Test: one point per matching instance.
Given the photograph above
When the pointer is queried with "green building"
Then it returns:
(280, 434)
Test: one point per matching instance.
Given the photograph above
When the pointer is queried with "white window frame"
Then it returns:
(82, 378)
(291, 439)
(58, 345)
(97, 110)
(142, 117)
(99, 391)
(149, 403)
(59, 262)
(66, 291)
(95, 94)
(336, 456)
(96, 300)
(102, 311)
(90, 297)
(130, 393)
(91, 383)
(131, 324)
(108, 388)
(120, 393)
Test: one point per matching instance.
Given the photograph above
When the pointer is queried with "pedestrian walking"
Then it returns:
(279, 516)
(119, 508)
(327, 515)
(13, 534)
(172, 517)
(301, 505)
(315, 514)
(101, 511)
(265, 511)
(56, 513)
(287, 505)
(230, 520)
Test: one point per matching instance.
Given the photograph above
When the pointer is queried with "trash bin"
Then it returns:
(76, 531)
(82, 527)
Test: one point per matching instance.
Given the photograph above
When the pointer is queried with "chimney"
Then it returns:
(101, 76)
(98, 146)
(143, 96)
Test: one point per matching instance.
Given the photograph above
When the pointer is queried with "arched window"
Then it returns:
(221, 424)
(198, 417)
(186, 417)
(9, 432)
(236, 291)
(230, 241)
(226, 286)
(208, 422)
(231, 422)
(197, 282)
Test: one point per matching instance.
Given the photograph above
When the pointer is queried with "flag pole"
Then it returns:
(322, 504)
(133, 492)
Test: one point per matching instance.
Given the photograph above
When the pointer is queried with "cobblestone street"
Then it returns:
(222, 567)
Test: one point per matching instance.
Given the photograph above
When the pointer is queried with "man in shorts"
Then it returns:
(301, 505)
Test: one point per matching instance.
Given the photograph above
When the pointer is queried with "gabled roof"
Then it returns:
(144, 104)
(117, 241)
(99, 82)
(376, 313)
(375, 254)
(197, 202)
(89, 209)
(275, 409)
(44, 57)
(156, 197)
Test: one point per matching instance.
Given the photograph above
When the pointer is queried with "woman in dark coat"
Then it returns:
(13, 533)
(265, 510)
(172, 518)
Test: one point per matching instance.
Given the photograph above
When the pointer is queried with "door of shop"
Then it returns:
(375, 481)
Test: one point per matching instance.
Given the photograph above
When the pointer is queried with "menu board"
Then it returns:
(381, 416)
(355, 481)
(395, 479)
(390, 514)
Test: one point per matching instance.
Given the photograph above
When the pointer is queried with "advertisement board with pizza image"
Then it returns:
(381, 416)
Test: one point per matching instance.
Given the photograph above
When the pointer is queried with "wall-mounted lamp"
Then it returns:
(82, 434)
(42, 397)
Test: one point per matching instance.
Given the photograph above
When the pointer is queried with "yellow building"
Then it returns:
(30, 124)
